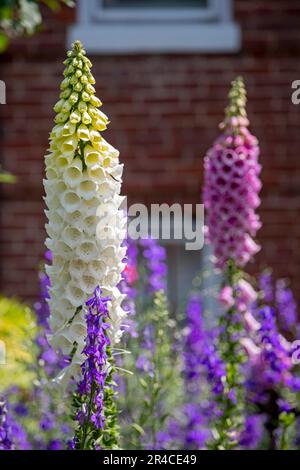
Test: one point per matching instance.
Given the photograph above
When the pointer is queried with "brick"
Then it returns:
(165, 111)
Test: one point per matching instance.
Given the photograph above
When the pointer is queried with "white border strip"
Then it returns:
(157, 38)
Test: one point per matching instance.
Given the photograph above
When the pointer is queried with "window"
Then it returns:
(183, 267)
(154, 3)
(191, 270)
(156, 26)
(188, 269)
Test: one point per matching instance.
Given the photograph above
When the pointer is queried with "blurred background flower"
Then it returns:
(17, 331)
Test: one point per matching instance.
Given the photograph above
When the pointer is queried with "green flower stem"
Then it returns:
(155, 390)
(230, 423)
(87, 436)
(286, 419)
(85, 427)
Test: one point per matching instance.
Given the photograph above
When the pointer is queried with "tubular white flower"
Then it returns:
(86, 226)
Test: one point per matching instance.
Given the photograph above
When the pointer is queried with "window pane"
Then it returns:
(183, 266)
(155, 3)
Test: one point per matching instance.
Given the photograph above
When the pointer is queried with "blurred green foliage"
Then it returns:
(6, 177)
(23, 17)
(17, 333)
(152, 393)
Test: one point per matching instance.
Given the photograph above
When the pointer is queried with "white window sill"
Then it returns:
(136, 38)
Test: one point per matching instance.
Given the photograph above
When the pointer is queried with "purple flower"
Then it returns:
(214, 367)
(48, 256)
(144, 364)
(72, 444)
(47, 422)
(65, 428)
(232, 396)
(273, 366)
(171, 438)
(98, 304)
(193, 356)
(286, 306)
(284, 405)
(5, 429)
(19, 434)
(41, 307)
(94, 369)
(55, 444)
(49, 356)
(53, 362)
(196, 431)
(275, 353)
(253, 432)
(20, 409)
(201, 362)
(266, 286)
(156, 264)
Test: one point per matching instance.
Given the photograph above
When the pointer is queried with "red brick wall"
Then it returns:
(164, 112)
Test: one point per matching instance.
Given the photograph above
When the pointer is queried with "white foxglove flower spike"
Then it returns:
(83, 177)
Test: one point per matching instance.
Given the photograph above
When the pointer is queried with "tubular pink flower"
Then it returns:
(232, 185)
(226, 296)
(251, 324)
(251, 349)
(246, 295)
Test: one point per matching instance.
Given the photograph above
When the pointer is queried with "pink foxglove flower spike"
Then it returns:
(232, 185)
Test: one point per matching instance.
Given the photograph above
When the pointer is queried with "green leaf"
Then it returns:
(163, 418)
(3, 42)
(7, 177)
(287, 418)
(143, 383)
(138, 428)
(52, 4)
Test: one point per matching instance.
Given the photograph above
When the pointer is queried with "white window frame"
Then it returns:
(155, 14)
(155, 30)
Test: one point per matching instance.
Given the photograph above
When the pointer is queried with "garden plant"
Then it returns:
(102, 361)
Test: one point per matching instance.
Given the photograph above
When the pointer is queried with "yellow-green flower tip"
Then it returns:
(77, 47)
(237, 98)
(235, 112)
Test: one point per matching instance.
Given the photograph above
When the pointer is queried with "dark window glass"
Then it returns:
(154, 3)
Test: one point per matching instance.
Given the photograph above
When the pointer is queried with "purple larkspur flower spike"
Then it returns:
(95, 367)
